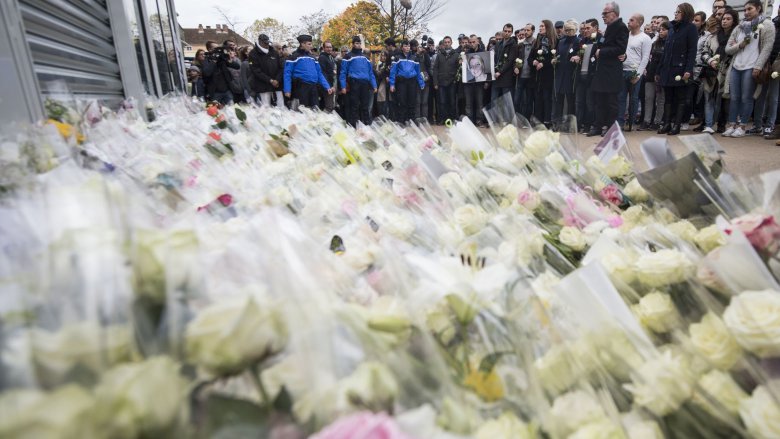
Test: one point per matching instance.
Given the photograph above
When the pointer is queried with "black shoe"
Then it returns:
(674, 131)
(593, 132)
(629, 128)
(665, 128)
(699, 128)
(644, 126)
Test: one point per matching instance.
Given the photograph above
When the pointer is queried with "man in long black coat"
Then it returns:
(609, 69)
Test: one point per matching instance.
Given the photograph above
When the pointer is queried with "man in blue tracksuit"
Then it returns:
(302, 73)
(405, 81)
(357, 78)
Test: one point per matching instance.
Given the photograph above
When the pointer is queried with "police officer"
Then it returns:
(405, 79)
(357, 78)
(302, 73)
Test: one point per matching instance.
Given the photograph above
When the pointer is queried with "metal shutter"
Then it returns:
(72, 41)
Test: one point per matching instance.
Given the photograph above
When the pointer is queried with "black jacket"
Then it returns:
(328, 66)
(445, 68)
(679, 53)
(566, 70)
(656, 55)
(217, 76)
(609, 69)
(263, 68)
(543, 77)
(505, 63)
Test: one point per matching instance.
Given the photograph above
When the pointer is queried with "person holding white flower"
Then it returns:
(540, 60)
(750, 44)
(504, 78)
(766, 102)
(566, 69)
(677, 67)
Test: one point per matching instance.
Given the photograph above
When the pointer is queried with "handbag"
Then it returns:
(765, 75)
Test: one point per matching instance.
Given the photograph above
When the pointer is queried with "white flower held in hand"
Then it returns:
(553, 51)
(593, 35)
(775, 75)
(678, 78)
(539, 52)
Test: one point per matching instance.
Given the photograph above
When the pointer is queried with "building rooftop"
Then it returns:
(199, 35)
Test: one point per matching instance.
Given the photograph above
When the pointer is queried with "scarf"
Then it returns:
(263, 50)
(723, 38)
(747, 26)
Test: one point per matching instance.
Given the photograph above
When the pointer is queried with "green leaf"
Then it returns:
(222, 125)
(489, 362)
(283, 401)
(228, 418)
(240, 115)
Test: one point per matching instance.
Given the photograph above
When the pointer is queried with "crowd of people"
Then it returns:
(710, 73)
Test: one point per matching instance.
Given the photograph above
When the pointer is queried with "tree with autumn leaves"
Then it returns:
(361, 18)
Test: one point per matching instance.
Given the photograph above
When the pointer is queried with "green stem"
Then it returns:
(257, 379)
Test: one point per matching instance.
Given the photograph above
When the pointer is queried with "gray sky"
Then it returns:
(460, 16)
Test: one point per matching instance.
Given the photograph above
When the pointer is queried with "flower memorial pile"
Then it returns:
(254, 272)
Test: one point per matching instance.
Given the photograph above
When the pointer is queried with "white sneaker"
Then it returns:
(685, 127)
(739, 132)
(729, 131)
(708, 130)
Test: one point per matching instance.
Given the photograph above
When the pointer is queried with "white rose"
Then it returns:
(684, 230)
(361, 257)
(603, 429)
(645, 430)
(574, 410)
(635, 191)
(593, 231)
(544, 286)
(678, 78)
(573, 238)
(775, 75)
(529, 246)
(662, 384)
(593, 36)
(498, 184)
(508, 137)
(709, 238)
(233, 334)
(520, 160)
(458, 417)
(65, 413)
(470, 218)
(84, 345)
(723, 389)
(539, 52)
(617, 167)
(537, 145)
(657, 312)
(555, 369)
(136, 400)
(556, 161)
(753, 317)
(712, 340)
(159, 257)
(529, 199)
(621, 265)
(760, 26)
(506, 426)
(761, 414)
(553, 51)
(280, 196)
(664, 267)
(634, 216)
(517, 185)
(372, 385)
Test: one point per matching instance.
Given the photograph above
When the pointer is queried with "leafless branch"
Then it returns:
(227, 17)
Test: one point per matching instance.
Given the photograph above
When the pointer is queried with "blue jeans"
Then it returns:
(712, 107)
(766, 105)
(741, 87)
(628, 89)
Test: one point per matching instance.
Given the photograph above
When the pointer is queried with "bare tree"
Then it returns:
(228, 17)
(313, 24)
(398, 20)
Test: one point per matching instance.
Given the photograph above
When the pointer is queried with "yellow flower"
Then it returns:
(67, 130)
(487, 386)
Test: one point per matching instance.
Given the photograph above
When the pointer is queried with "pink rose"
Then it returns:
(529, 199)
(761, 230)
(225, 199)
(364, 425)
(615, 221)
(612, 195)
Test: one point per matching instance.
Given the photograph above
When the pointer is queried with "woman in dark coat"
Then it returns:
(541, 59)
(677, 67)
(565, 69)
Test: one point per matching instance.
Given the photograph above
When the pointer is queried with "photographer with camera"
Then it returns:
(218, 76)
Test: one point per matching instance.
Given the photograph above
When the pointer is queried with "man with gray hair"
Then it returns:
(634, 63)
(608, 78)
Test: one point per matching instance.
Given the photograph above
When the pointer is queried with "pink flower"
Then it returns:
(615, 221)
(225, 199)
(212, 111)
(364, 425)
(215, 136)
(761, 230)
(612, 195)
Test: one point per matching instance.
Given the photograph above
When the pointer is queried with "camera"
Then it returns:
(218, 54)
